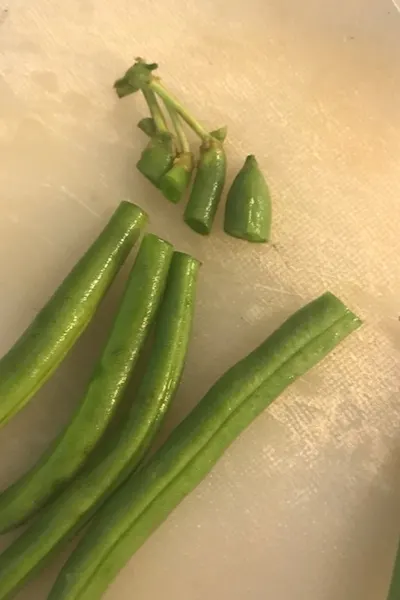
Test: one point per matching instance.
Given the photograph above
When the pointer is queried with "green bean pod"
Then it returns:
(148, 126)
(71, 448)
(175, 182)
(157, 158)
(207, 187)
(394, 591)
(74, 506)
(53, 332)
(145, 500)
(248, 210)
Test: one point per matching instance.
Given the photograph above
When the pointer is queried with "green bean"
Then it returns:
(53, 332)
(248, 204)
(71, 448)
(207, 187)
(70, 511)
(394, 591)
(157, 158)
(145, 500)
(175, 182)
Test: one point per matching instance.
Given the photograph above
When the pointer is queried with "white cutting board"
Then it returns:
(305, 505)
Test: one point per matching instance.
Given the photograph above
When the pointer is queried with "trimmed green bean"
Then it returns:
(248, 211)
(157, 158)
(175, 182)
(207, 187)
(71, 510)
(53, 332)
(71, 448)
(145, 500)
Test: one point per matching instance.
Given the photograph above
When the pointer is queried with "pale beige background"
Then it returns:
(305, 506)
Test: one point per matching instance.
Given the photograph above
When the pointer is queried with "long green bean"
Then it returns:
(53, 332)
(71, 448)
(71, 510)
(148, 496)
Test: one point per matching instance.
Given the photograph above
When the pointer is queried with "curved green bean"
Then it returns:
(145, 500)
(70, 511)
(42, 347)
(66, 455)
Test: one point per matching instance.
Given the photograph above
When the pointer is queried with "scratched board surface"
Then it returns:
(305, 505)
